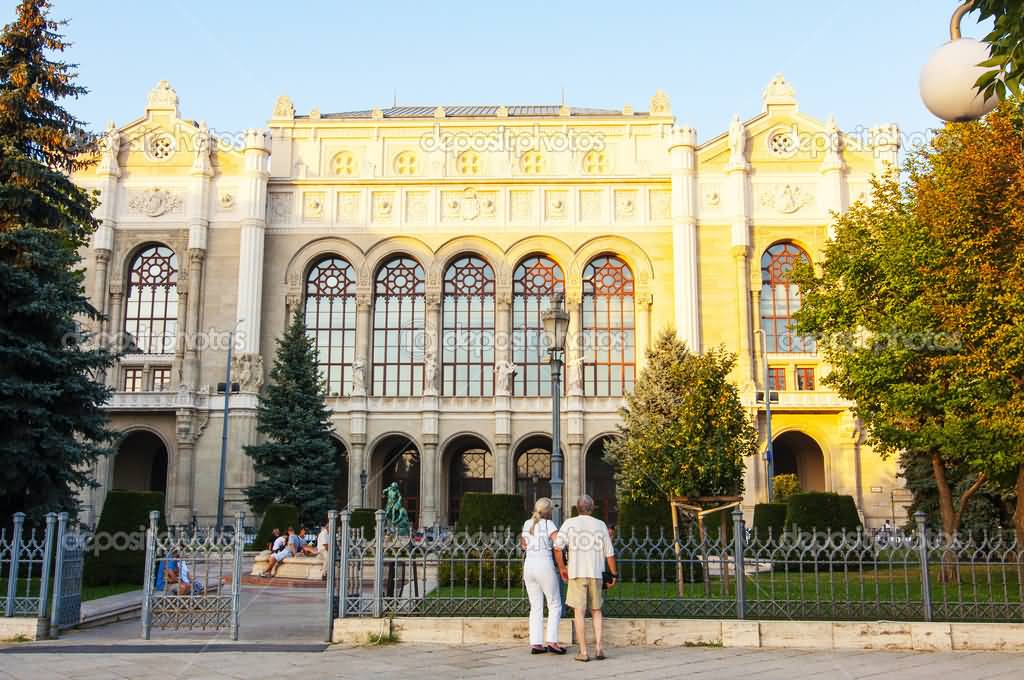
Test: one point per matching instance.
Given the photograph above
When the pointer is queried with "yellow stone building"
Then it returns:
(423, 243)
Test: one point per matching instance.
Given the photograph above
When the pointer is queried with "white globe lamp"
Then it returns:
(947, 80)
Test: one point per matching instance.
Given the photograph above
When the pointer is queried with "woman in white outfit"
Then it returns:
(541, 578)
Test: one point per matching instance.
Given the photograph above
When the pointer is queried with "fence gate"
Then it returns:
(192, 579)
(67, 586)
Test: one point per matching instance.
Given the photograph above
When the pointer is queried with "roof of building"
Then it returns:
(521, 111)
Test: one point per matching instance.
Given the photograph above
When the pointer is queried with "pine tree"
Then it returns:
(684, 429)
(297, 463)
(52, 426)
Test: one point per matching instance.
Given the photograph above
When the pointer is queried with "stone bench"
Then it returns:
(303, 567)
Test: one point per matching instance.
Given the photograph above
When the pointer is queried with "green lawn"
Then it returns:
(88, 592)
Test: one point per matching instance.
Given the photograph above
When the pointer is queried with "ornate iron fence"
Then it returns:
(66, 610)
(192, 578)
(798, 574)
(25, 564)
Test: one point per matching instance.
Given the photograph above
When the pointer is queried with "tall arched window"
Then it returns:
(398, 328)
(780, 299)
(608, 337)
(535, 279)
(468, 323)
(331, 320)
(151, 314)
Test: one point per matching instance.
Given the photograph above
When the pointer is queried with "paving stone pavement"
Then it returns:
(407, 660)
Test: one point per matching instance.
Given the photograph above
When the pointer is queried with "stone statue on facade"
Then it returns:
(576, 377)
(737, 142)
(430, 387)
(110, 146)
(358, 378)
(247, 371)
(503, 372)
(203, 143)
(833, 144)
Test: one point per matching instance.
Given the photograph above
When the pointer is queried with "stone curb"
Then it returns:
(880, 635)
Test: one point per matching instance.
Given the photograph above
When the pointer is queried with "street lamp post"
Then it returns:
(769, 450)
(224, 429)
(362, 485)
(947, 80)
(556, 325)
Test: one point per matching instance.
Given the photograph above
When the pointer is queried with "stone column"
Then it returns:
(744, 364)
(642, 333)
(502, 481)
(429, 485)
(356, 464)
(115, 324)
(574, 477)
(683, 153)
(99, 295)
(190, 370)
(250, 257)
(432, 351)
(832, 170)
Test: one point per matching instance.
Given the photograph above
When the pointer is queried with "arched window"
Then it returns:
(151, 314)
(471, 469)
(535, 279)
(533, 474)
(468, 338)
(331, 320)
(780, 299)
(398, 328)
(609, 345)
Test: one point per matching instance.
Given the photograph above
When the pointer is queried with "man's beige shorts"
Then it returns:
(583, 593)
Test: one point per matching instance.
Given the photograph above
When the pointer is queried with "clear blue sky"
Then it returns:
(229, 60)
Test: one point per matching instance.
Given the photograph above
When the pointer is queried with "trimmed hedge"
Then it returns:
(635, 517)
(277, 516)
(769, 520)
(363, 518)
(124, 513)
(822, 511)
(490, 511)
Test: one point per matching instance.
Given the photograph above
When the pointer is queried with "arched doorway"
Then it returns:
(140, 463)
(341, 481)
(795, 453)
(600, 483)
(396, 459)
(533, 469)
(470, 468)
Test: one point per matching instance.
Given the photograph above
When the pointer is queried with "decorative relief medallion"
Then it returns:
(348, 206)
(590, 205)
(712, 196)
(786, 198)
(661, 204)
(313, 205)
(383, 206)
(226, 200)
(555, 205)
(521, 205)
(155, 202)
(625, 205)
(281, 207)
(468, 205)
(416, 206)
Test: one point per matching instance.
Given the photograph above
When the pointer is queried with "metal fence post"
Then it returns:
(378, 565)
(738, 537)
(44, 582)
(58, 575)
(12, 574)
(147, 582)
(922, 546)
(346, 536)
(332, 563)
(236, 574)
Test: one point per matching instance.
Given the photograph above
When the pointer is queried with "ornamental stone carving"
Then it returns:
(358, 377)
(348, 206)
(786, 198)
(284, 108)
(155, 202)
(469, 205)
(110, 146)
(661, 204)
(625, 205)
(778, 92)
(162, 97)
(430, 387)
(660, 104)
(383, 206)
(313, 205)
(203, 142)
(556, 205)
(226, 201)
(247, 371)
(737, 143)
(503, 372)
(281, 207)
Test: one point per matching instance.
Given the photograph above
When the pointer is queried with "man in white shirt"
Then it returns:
(590, 546)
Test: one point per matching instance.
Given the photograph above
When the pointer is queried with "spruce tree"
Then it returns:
(297, 462)
(52, 426)
(684, 431)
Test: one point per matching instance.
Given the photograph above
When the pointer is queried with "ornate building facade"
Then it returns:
(423, 244)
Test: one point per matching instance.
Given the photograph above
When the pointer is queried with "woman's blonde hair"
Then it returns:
(540, 508)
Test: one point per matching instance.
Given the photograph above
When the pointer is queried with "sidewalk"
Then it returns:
(404, 660)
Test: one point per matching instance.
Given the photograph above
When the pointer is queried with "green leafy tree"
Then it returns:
(1006, 47)
(297, 463)
(52, 426)
(920, 310)
(684, 430)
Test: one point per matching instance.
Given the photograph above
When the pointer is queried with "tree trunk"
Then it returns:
(1018, 524)
(951, 515)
